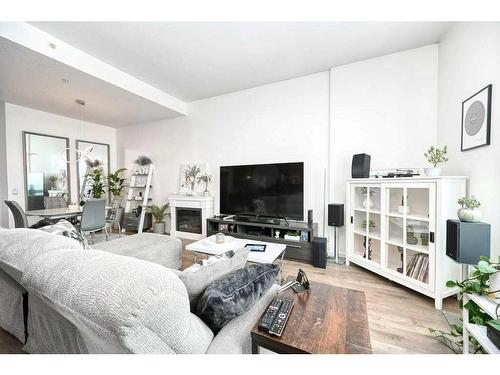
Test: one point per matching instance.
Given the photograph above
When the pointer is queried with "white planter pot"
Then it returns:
(432, 172)
(159, 228)
(495, 283)
(469, 215)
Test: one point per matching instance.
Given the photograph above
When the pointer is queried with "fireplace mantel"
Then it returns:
(203, 203)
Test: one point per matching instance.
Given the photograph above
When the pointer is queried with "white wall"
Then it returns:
(281, 122)
(385, 107)
(469, 60)
(4, 211)
(19, 119)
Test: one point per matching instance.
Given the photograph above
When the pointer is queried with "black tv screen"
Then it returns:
(275, 190)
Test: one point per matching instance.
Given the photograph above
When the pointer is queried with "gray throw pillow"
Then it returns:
(65, 228)
(198, 276)
(235, 294)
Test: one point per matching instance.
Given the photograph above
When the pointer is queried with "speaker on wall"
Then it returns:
(336, 215)
(360, 167)
(466, 242)
(310, 218)
(319, 252)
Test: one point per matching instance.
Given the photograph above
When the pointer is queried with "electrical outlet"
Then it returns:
(15, 191)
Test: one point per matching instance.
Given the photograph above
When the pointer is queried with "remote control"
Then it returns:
(283, 314)
(271, 312)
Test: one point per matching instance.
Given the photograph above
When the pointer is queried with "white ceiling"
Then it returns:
(197, 60)
(34, 80)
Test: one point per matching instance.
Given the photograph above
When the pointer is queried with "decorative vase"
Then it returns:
(220, 238)
(469, 215)
(432, 172)
(191, 185)
(495, 283)
(367, 202)
(159, 228)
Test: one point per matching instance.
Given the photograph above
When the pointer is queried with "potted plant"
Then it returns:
(494, 280)
(292, 235)
(478, 282)
(469, 211)
(158, 213)
(369, 225)
(54, 180)
(435, 156)
(206, 178)
(96, 176)
(143, 162)
(116, 184)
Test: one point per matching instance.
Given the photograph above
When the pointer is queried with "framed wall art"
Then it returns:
(476, 119)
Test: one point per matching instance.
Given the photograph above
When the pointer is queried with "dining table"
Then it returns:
(58, 213)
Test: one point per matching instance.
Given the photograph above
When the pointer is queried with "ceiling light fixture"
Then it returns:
(80, 155)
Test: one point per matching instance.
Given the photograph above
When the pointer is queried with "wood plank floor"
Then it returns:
(398, 317)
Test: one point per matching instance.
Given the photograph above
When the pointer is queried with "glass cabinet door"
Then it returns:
(366, 215)
(409, 230)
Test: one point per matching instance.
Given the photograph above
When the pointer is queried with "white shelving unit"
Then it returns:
(397, 228)
(477, 331)
(140, 182)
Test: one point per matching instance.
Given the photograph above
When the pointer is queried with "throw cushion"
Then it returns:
(65, 228)
(197, 277)
(235, 294)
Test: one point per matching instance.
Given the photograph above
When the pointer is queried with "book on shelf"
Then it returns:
(418, 267)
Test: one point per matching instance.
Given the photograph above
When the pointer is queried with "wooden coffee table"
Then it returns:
(324, 320)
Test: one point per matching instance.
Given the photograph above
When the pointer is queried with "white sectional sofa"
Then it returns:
(125, 297)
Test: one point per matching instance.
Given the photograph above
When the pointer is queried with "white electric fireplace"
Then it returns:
(189, 216)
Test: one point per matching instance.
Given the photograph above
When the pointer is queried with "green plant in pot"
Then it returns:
(116, 186)
(469, 211)
(97, 178)
(116, 183)
(481, 281)
(158, 213)
(206, 179)
(53, 180)
(435, 156)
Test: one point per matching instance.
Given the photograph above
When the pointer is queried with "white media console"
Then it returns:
(397, 228)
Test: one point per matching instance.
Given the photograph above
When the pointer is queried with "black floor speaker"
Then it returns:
(336, 215)
(319, 252)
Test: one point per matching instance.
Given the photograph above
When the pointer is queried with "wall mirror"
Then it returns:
(46, 168)
(96, 151)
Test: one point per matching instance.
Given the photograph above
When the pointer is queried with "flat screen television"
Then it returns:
(275, 190)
